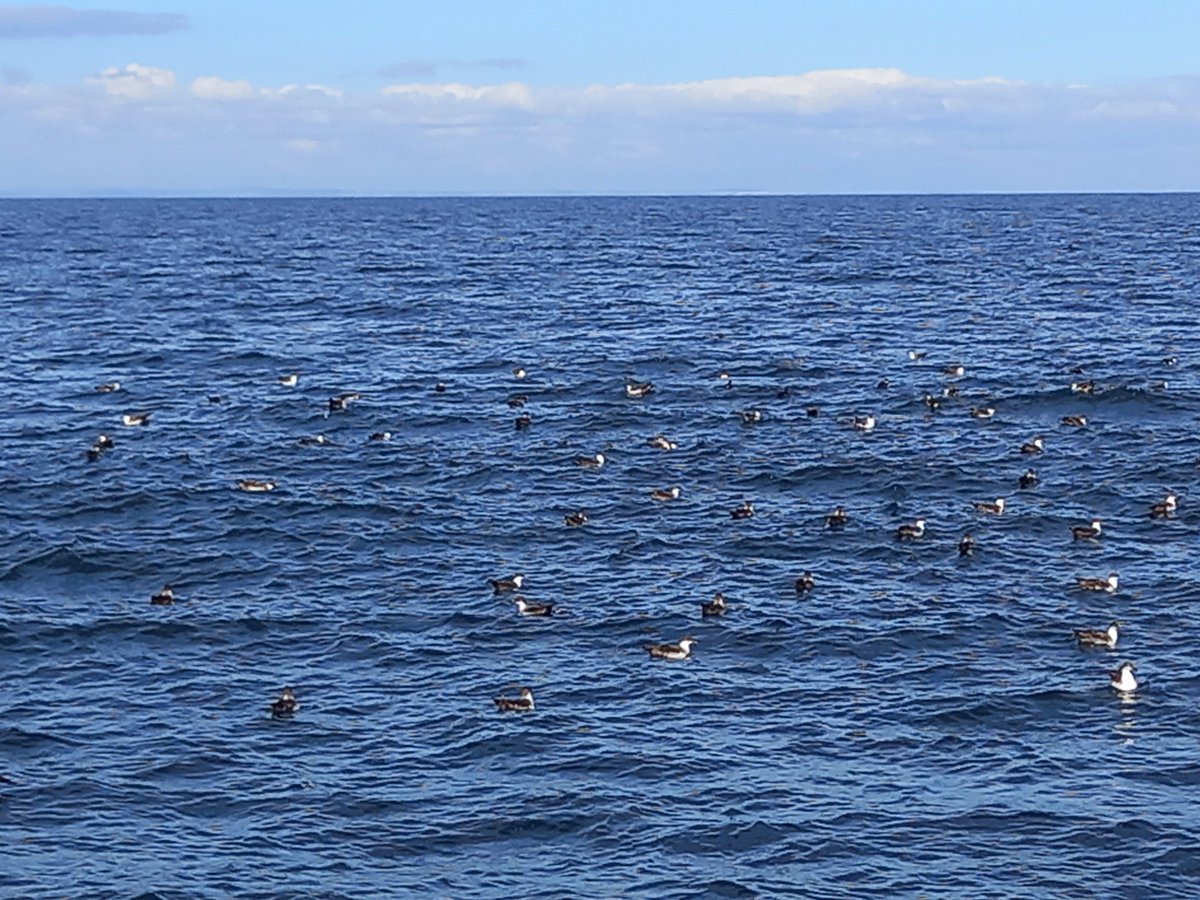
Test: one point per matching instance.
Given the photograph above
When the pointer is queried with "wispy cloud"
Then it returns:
(64, 21)
(135, 82)
(429, 68)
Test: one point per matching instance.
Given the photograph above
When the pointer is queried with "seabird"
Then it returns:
(1083, 387)
(518, 401)
(255, 486)
(950, 390)
(1074, 421)
(954, 371)
(108, 387)
(290, 380)
(524, 703)
(1028, 479)
(983, 412)
(523, 421)
(439, 388)
(916, 355)
(812, 411)
(715, 607)
(315, 440)
(165, 597)
(286, 705)
(504, 585)
(1037, 445)
(932, 402)
(883, 384)
(665, 494)
(837, 518)
(993, 509)
(805, 583)
(1086, 532)
(576, 519)
(745, 511)
(1088, 637)
(94, 452)
(1122, 679)
(864, 423)
(381, 436)
(526, 608)
(908, 532)
(966, 546)
(215, 398)
(342, 401)
(104, 442)
(1170, 360)
(660, 442)
(133, 419)
(636, 390)
(518, 373)
(751, 416)
(1165, 507)
(590, 462)
(682, 650)
(1108, 585)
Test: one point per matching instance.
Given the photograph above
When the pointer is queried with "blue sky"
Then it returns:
(531, 96)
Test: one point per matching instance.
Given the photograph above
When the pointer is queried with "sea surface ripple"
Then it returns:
(918, 724)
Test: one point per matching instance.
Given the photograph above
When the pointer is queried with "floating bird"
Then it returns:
(576, 519)
(315, 440)
(805, 583)
(864, 423)
(954, 371)
(751, 416)
(1086, 532)
(715, 607)
(665, 494)
(916, 355)
(286, 705)
(966, 546)
(1165, 507)
(518, 401)
(932, 402)
(215, 398)
(992, 509)
(526, 608)
(108, 387)
(290, 380)
(380, 436)
(1074, 421)
(94, 452)
(745, 511)
(519, 373)
(636, 390)
(1122, 679)
(883, 384)
(1108, 585)
(1083, 387)
(682, 650)
(524, 703)
(660, 442)
(1029, 479)
(1037, 445)
(1170, 360)
(982, 412)
(909, 532)
(950, 391)
(104, 442)
(439, 388)
(342, 402)
(812, 411)
(523, 421)
(505, 585)
(135, 419)
(837, 518)
(255, 486)
(165, 597)
(1095, 638)
(590, 462)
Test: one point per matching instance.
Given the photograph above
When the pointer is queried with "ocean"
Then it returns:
(920, 723)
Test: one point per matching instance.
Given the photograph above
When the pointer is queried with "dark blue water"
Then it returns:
(918, 723)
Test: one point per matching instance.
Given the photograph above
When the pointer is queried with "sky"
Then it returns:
(410, 97)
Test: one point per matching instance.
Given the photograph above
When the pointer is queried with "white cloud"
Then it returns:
(211, 87)
(304, 145)
(135, 82)
(512, 94)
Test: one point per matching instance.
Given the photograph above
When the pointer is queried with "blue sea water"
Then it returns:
(920, 724)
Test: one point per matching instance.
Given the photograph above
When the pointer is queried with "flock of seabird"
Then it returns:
(1122, 679)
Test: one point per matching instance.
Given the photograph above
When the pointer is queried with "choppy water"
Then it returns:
(919, 723)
